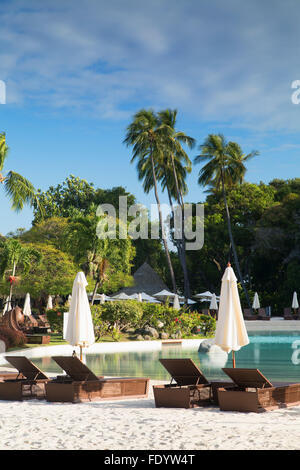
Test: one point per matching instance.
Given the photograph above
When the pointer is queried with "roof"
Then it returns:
(145, 280)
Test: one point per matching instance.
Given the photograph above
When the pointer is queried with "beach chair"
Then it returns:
(248, 315)
(28, 383)
(262, 315)
(190, 388)
(81, 384)
(287, 314)
(253, 392)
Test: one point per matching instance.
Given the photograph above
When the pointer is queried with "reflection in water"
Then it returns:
(277, 355)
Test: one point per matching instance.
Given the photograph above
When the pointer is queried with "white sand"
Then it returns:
(137, 424)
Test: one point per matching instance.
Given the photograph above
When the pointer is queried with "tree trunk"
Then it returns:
(236, 260)
(11, 285)
(184, 264)
(95, 292)
(180, 245)
(162, 228)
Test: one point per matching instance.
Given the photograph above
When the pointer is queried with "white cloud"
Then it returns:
(233, 62)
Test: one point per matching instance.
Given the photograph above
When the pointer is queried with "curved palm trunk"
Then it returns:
(183, 254)
(162, 227)
(180, 245)
(95, 291)
(236, 260)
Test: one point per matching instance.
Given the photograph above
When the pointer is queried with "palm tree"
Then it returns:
(146, 135)
(16, 256)
(16, 187)
(225, 167)
(174, 180)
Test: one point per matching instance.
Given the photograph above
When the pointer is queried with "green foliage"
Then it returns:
(16, 258)
(19, 189)
(54, 275)
(101, 327)
(56, 319)
(122, 314)
(75, 197)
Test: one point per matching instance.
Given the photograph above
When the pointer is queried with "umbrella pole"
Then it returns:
(80, 353)
(233, 359)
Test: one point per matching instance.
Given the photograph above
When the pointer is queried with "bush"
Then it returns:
(101, 327)
(56, 319)
(121, 315)
(177, 320)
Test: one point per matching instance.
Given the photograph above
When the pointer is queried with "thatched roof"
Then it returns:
(145, 280)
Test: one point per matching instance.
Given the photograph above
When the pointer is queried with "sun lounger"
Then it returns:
(29, 383)
(289, 314)
(81, 384)
(191, 388)
(255, 393)
(248, 315)
(262, 315)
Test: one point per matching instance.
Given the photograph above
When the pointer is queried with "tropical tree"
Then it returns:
(175, 167)
(147, 135)
(99, 258)
(17, 188)
(16, 258)
(225, 167)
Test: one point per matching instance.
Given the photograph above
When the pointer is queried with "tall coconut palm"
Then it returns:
(225, 167)
(146, 136)
(16, 187)
(180, 164)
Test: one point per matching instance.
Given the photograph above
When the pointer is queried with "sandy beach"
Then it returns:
(138, 425)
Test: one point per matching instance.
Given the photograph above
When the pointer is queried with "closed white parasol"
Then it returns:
(231, 333)
(27, 307)
(80, 329)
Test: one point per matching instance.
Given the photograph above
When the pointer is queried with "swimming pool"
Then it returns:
(276, 354)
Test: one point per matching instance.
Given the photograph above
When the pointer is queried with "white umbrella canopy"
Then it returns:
(256, 303)
(121, 296)
(165, 294)
(80, 329)
(49, 303)
(176, 304)
(231, 333)
(201, 295)
(213, 303)
(27, 307)
(295, 303)
(144, 297)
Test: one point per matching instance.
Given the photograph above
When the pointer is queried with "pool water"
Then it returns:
(276, 354)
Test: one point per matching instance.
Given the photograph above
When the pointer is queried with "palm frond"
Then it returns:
(19, 190)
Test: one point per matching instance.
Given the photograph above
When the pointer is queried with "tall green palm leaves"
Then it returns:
(225, 167)
(176, 165)
(146, 135)
(17, 188)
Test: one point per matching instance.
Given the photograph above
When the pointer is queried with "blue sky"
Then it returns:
(76, 72)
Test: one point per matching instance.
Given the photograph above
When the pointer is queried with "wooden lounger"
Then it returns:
(81, 384)
(262, 315)
(255, 393)
(191, 388)
(29, 383)
(290, 315)
(248, 315)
